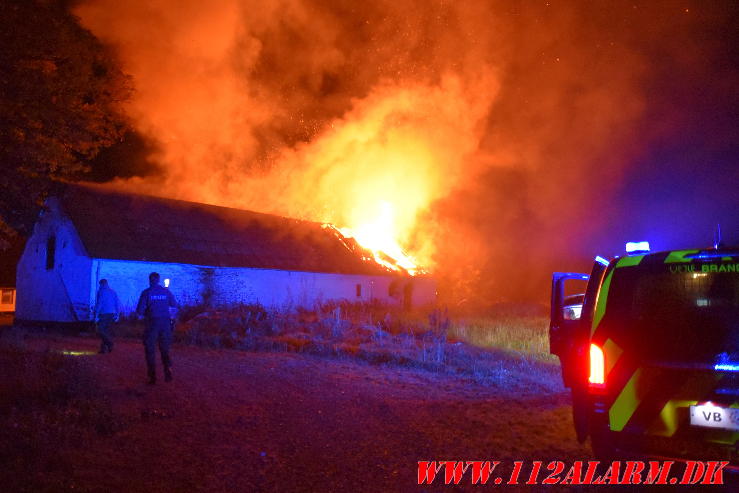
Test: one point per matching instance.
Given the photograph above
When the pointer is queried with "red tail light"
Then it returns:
(597, 365)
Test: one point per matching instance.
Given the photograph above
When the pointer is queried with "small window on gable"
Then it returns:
(359, 290)
(50, 252)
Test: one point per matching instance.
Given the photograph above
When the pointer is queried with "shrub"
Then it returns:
(509, 349)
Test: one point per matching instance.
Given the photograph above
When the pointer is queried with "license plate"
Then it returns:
(711, 416)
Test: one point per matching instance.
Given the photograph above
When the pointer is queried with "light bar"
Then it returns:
(726, 367)
(601, 260)
(711, 255)
(637, 246)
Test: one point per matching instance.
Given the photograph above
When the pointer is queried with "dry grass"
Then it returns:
(507, 348)
(524, 334)
(511, 351)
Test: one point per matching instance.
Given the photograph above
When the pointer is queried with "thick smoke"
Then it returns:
(494, 128)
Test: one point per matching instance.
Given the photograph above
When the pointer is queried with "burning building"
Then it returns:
(204, 253)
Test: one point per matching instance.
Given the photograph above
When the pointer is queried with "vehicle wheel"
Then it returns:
(581, 411)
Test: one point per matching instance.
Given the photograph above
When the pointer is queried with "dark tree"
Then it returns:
(60, 97)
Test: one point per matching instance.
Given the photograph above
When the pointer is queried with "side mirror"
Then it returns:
(572, 312)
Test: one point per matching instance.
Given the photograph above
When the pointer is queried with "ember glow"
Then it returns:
(380, 236)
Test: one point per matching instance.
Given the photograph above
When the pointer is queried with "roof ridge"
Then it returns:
(116, 224)
(102, 188)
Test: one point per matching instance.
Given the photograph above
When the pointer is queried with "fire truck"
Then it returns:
(650, 351)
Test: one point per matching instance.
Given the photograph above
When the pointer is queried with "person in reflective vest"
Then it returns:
(154, 305)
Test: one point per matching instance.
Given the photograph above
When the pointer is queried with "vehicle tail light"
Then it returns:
(597, 366)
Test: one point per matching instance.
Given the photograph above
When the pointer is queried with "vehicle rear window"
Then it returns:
(667, 315)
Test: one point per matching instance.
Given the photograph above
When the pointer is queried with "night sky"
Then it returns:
(686, 179)
(610, 123)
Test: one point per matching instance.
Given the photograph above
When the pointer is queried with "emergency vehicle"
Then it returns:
(653, 357)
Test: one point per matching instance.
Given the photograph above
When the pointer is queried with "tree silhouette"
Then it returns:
(60, 97)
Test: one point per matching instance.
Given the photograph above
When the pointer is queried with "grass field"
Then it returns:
(522, 334)
(511, 347)
(49, 402)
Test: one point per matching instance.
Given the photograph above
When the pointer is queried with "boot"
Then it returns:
(167, 374)
(152, 379)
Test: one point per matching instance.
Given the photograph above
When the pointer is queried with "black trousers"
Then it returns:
(158, 330)
(103, 326)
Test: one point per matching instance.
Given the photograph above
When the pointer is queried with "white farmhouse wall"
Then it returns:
(129, 278)
(60, 293)
(279, 288)
(423, 292)
(191, 284)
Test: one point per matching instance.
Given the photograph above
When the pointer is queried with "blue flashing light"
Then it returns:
(601, 260)
(637, 246)
(726, 367)
(712, 255)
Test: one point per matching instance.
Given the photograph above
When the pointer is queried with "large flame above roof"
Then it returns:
(379, 236)
(457, 132)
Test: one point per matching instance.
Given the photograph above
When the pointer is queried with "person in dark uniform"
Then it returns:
(107, 309)
(154, 305)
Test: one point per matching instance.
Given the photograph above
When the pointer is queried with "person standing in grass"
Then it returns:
(154, 304)
(107, 309)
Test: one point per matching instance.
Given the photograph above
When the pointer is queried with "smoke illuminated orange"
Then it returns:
(430, 131)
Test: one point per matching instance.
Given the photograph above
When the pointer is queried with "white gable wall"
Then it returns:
(62, 292)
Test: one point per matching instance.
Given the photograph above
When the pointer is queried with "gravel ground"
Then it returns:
(239, 421)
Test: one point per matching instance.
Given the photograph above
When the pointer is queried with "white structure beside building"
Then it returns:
(7, 299)
(206, 254)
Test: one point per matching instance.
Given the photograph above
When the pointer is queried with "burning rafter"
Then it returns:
(398, 262)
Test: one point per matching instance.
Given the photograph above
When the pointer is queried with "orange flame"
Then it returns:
(380, 236)
(234, 129)
(385, 118)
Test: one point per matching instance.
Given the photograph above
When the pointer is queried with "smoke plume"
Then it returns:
(493, 129)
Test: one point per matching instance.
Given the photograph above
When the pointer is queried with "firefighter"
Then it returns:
(107, 309)
(154, 305)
